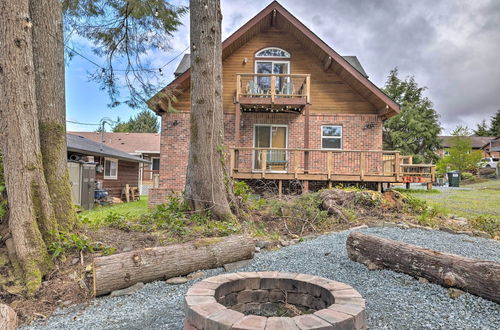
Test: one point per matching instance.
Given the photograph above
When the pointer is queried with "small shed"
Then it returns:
(111, 169)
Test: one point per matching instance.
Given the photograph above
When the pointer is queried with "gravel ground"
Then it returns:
(393, 301)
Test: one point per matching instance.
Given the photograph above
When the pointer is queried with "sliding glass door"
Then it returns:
(271, 136)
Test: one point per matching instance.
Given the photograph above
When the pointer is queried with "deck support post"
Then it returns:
(380, 187)
(305, 186)
(329, 184)
(407, 184)
(429, 185)
(280, 188)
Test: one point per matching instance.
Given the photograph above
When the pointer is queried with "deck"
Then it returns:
(327, 165)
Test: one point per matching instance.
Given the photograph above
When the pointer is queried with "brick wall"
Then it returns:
(360, 132)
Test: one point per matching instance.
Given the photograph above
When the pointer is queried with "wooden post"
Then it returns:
(231, 161)
(329, 164)
(263, 160)
(280, 188)
(237, 123)
(305, 186)
(238, 88)
(306, 138)
(407, 185)
(429, 185)
(329, 184)
(296, 161)
(362, 165)
(127, 193)
(273, 88)
(433, 174)
(308, 89)
(380, 187)
(397, 166)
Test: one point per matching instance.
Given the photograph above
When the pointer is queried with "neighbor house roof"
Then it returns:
(276, 14)
(80, 144)
(477, 142)
(185, 63)
(493, 144)
(131, 143)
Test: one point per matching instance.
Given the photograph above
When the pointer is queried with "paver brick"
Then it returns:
(251, 322)
(310, 322)
(339, 320)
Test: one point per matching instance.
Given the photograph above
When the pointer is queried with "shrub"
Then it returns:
(72, 242)
(487, 223)
(467, 176)
(242, 191)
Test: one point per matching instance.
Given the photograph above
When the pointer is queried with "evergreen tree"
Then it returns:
(495, 124)
(482, 129)
(144, 122)
(415, 130)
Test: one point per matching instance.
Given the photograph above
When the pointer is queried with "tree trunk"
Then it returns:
(48, 47)
(478, 277)
(8, 318)
(31, 216)
(208, 187)
(125, 269)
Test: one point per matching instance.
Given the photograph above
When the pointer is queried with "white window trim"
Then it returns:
(341, 137)
(263, 49)
(110, 177)
(151, 159)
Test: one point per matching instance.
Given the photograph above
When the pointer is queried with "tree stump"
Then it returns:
(479, 277)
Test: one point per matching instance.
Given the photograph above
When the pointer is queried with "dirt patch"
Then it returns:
(125, 240)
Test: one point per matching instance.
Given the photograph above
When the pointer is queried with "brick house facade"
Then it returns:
(319, 87)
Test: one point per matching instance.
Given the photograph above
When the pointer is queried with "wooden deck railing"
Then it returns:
(326, 165)
(273, 88)
(148, 174)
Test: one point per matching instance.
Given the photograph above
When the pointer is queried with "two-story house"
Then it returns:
(294, 110)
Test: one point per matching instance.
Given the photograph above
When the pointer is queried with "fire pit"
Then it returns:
(273, 300)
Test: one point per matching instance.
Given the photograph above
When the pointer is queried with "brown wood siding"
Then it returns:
(128, 173)
(329, 92)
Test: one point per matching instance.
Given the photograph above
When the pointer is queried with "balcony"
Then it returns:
(260, 92)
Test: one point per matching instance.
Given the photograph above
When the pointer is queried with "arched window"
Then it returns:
(272, 52)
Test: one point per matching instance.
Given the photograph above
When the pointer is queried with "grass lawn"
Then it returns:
(132, 210)
(482, 199)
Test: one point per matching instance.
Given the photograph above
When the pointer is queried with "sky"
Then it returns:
(451, 47)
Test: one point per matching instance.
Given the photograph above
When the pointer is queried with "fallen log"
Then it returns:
(479, 277)
(8, 318)
(125, 269)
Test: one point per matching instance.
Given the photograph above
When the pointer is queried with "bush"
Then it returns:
(71, 242)
(487, 223)
(467, 176)
(242, 191)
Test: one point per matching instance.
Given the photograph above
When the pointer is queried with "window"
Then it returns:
(155, 164)
(331, 137)
(110, 168)
(272, 52)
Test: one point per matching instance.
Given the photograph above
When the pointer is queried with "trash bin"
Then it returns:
(454, 179)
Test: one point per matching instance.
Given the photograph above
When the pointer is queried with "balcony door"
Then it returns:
(271, 136)
(271, 67)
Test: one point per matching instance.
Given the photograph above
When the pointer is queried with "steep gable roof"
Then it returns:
(276, 15)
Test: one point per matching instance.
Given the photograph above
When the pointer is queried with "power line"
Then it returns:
(119, 70)
(80, 123)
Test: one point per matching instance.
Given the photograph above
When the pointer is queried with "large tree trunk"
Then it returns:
(478, 277)
(125, 269)
(208, 188)
(48, 47)
(31, 216)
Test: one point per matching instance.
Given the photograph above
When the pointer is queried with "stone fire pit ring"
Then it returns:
(256, 300)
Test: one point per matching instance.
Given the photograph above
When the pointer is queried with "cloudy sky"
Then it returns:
(452, 47)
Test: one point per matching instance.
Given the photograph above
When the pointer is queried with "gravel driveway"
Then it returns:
(393, 301)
